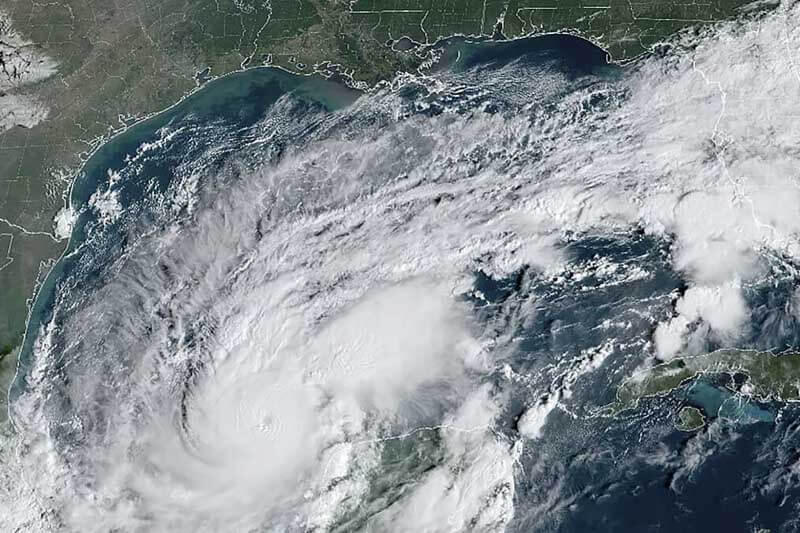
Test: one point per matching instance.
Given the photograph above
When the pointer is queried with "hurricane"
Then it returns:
(288, 305)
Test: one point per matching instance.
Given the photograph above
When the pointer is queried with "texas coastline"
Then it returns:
(248, 94)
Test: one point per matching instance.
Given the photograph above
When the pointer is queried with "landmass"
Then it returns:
(762, 376)
(74, 72)
(690, 419)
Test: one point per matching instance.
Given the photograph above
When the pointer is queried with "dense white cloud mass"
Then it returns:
(20, 110)
(444, 499)
(720, 309)
(262, 366)
(702, 152)
(24, 65)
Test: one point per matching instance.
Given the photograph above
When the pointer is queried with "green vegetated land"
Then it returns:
(690, 419)
(767, 376)
(118, 60)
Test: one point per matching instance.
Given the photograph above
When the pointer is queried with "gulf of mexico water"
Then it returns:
(231, 254)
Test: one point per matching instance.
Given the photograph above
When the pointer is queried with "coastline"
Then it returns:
(41, 297)
(43, 290)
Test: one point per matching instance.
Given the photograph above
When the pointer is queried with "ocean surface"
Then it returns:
(188, 362)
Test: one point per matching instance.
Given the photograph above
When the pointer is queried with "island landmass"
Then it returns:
(689, 419)
(757, 375)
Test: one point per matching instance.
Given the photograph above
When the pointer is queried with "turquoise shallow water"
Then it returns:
(239, 100)
(717, 401)
(586, 474)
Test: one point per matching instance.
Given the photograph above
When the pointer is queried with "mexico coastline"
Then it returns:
(247, 93)
(243, 98)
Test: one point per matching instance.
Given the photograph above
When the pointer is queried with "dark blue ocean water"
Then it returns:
(226, 108)
(637, 472)
(634, 473)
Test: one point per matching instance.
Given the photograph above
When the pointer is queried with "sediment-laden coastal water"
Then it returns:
(287, 305)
